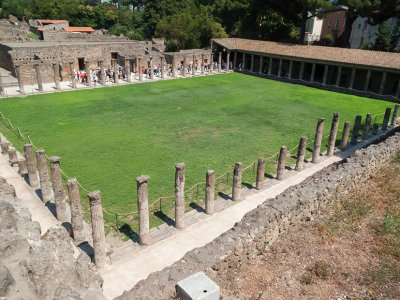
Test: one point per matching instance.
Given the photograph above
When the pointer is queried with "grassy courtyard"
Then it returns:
(107, 137)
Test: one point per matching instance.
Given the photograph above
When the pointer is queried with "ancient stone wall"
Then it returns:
(262, 226)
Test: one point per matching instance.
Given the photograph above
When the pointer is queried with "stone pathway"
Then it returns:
(132, 263)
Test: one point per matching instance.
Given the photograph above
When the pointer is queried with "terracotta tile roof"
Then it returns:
(329, 54)
(52, 21)
(79, 29)
(41, 28)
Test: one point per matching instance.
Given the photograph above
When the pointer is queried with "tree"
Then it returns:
(382, 42)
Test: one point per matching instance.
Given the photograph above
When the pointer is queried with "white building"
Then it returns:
(313, 29)
(365, 34)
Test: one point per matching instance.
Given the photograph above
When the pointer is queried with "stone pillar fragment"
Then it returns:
(356, 129)
(4, 147)
(88, 74)
(301, 153)
(76, 211)
(281, 163)
(333, 134)
(210, 190)
(386, 118)
(180, 195)
(22, 170)
(56, 70)
(2, 89)
(45, 185)
(58, 190)
(367, 126)
(12, 156)
(39, 78)
(31, 166)
(375, 129)
(72, 74)
(395, 115)
(318, 141)
(237, 182)
(162, 68)
(99, 238)
(19, 77)
(143, 208)
(260, 173)
(345, 135)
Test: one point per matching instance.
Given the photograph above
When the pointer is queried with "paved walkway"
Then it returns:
(125, 273)
(27, 195)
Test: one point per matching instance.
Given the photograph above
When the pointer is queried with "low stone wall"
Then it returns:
(261, 227)
(35, 267)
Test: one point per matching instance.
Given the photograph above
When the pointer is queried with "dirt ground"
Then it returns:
(351, 251)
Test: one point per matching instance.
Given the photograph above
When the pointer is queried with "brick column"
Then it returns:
(102, 73)
(88, 74)
(333, 134)
(301, 153)
(19, 77)
(45, 185)
(237, 182)
(143, 208)
(58, 190)
(260, 173)
(395, 115)
(345, 135)
(72, 74)
(386, 118)
(281, 163)
(31, 166)
(318, 141)
(56, 70)
(367, 126)
(383, 82)
(180, 195)
(366, 85)
(338, 76)
(162, 68)
(128, 70)
(356, 129)
(151, 68)
(39, 78)
(210, 190)
(99, 238)
(76, 211)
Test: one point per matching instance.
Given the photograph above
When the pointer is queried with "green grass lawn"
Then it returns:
(107, 137)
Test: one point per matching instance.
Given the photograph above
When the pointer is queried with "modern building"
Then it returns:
(313, 29)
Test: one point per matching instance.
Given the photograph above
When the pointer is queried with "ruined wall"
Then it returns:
(5, 58)
(262, 226)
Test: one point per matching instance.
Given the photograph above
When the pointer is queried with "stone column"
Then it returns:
(115, 66)
(185, 64)
(2, 90)
(290, 69)
(314, 66)
(219, 61)
(383, 82)
(194, 66)
(356, 129)
(260, 173)
(270, 66)
(202, 63)
(88, 74)
(252, 63)
(39, 78)
(45, 185)
(31, 166)
(22, 170)
(338, 76)
(211, 62)
(180, 195)
(280, 68)
(281, 163)
(367, 126)
(395, 115)
(56, 70)
(19, 77)
(99, 238)
(333, 134)
(140, 69)
(366, 85)
(386, 118)
(151, 69)
(128, 70)
(301, 76)
(4, 147)
(143, 208)
(235, 61)
(244, 61)
(345, 135)
(325, 78)
(237, 181)
(59, 198)
(12, 156)
(210, 190)
(260, 69)
(318, 141)
(162, 67)
(397, 95)
(228, 58)
(76, 211)
(301, 153)
(72, 74)
(103, 76)
(353, 76)
(375, 129)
